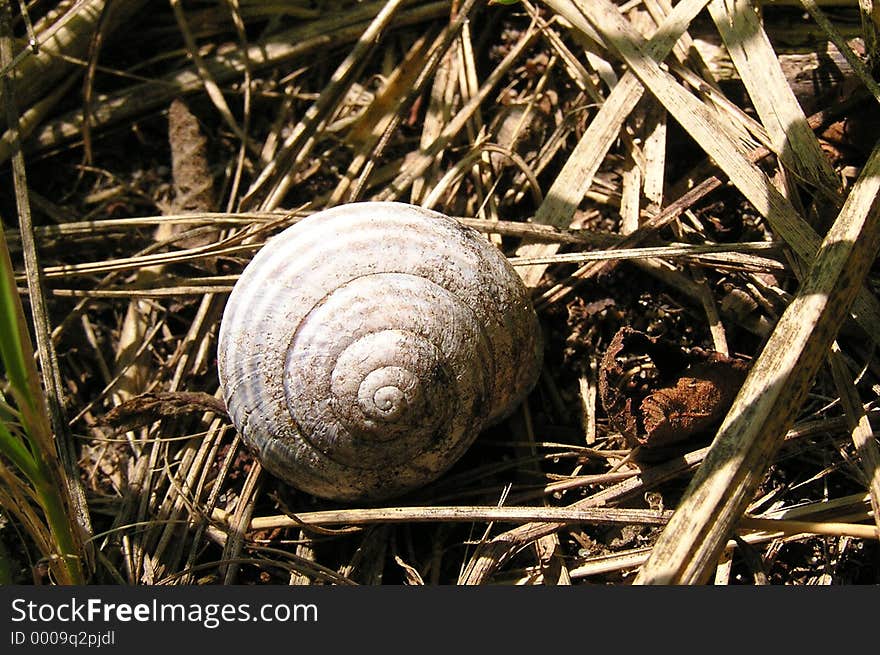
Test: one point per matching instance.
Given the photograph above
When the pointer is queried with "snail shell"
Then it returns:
(363, 349)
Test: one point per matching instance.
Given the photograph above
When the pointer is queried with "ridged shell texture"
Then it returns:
(364, 348)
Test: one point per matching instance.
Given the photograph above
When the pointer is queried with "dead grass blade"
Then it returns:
(576, 176)
(705, 128)
(239, 523)
(791, 137)
(667, 215)
(777, 384)
(509, 514)
(837, 39)
(753, 531)
(494, 553)
(31, 118)
(211, 87)
(67, 33)
(426, 156)
(384, 113)
(284, 46)
(269, 188)
(859, 425)
(833, 528)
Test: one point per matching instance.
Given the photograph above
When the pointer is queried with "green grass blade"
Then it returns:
(14, 450)
(36, 456)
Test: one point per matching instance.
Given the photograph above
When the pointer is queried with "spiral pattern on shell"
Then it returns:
(364, 348)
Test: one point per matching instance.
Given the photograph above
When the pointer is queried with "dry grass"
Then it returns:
(663, 167)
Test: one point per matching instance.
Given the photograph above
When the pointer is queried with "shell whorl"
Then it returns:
(363, 349)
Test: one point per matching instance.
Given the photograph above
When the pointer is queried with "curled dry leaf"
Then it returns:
(193, 182)
(147, 408)
(658, 394)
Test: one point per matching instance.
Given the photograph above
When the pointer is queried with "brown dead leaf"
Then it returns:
(658, 394)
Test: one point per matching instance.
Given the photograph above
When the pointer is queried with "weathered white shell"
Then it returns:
(363, 349)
